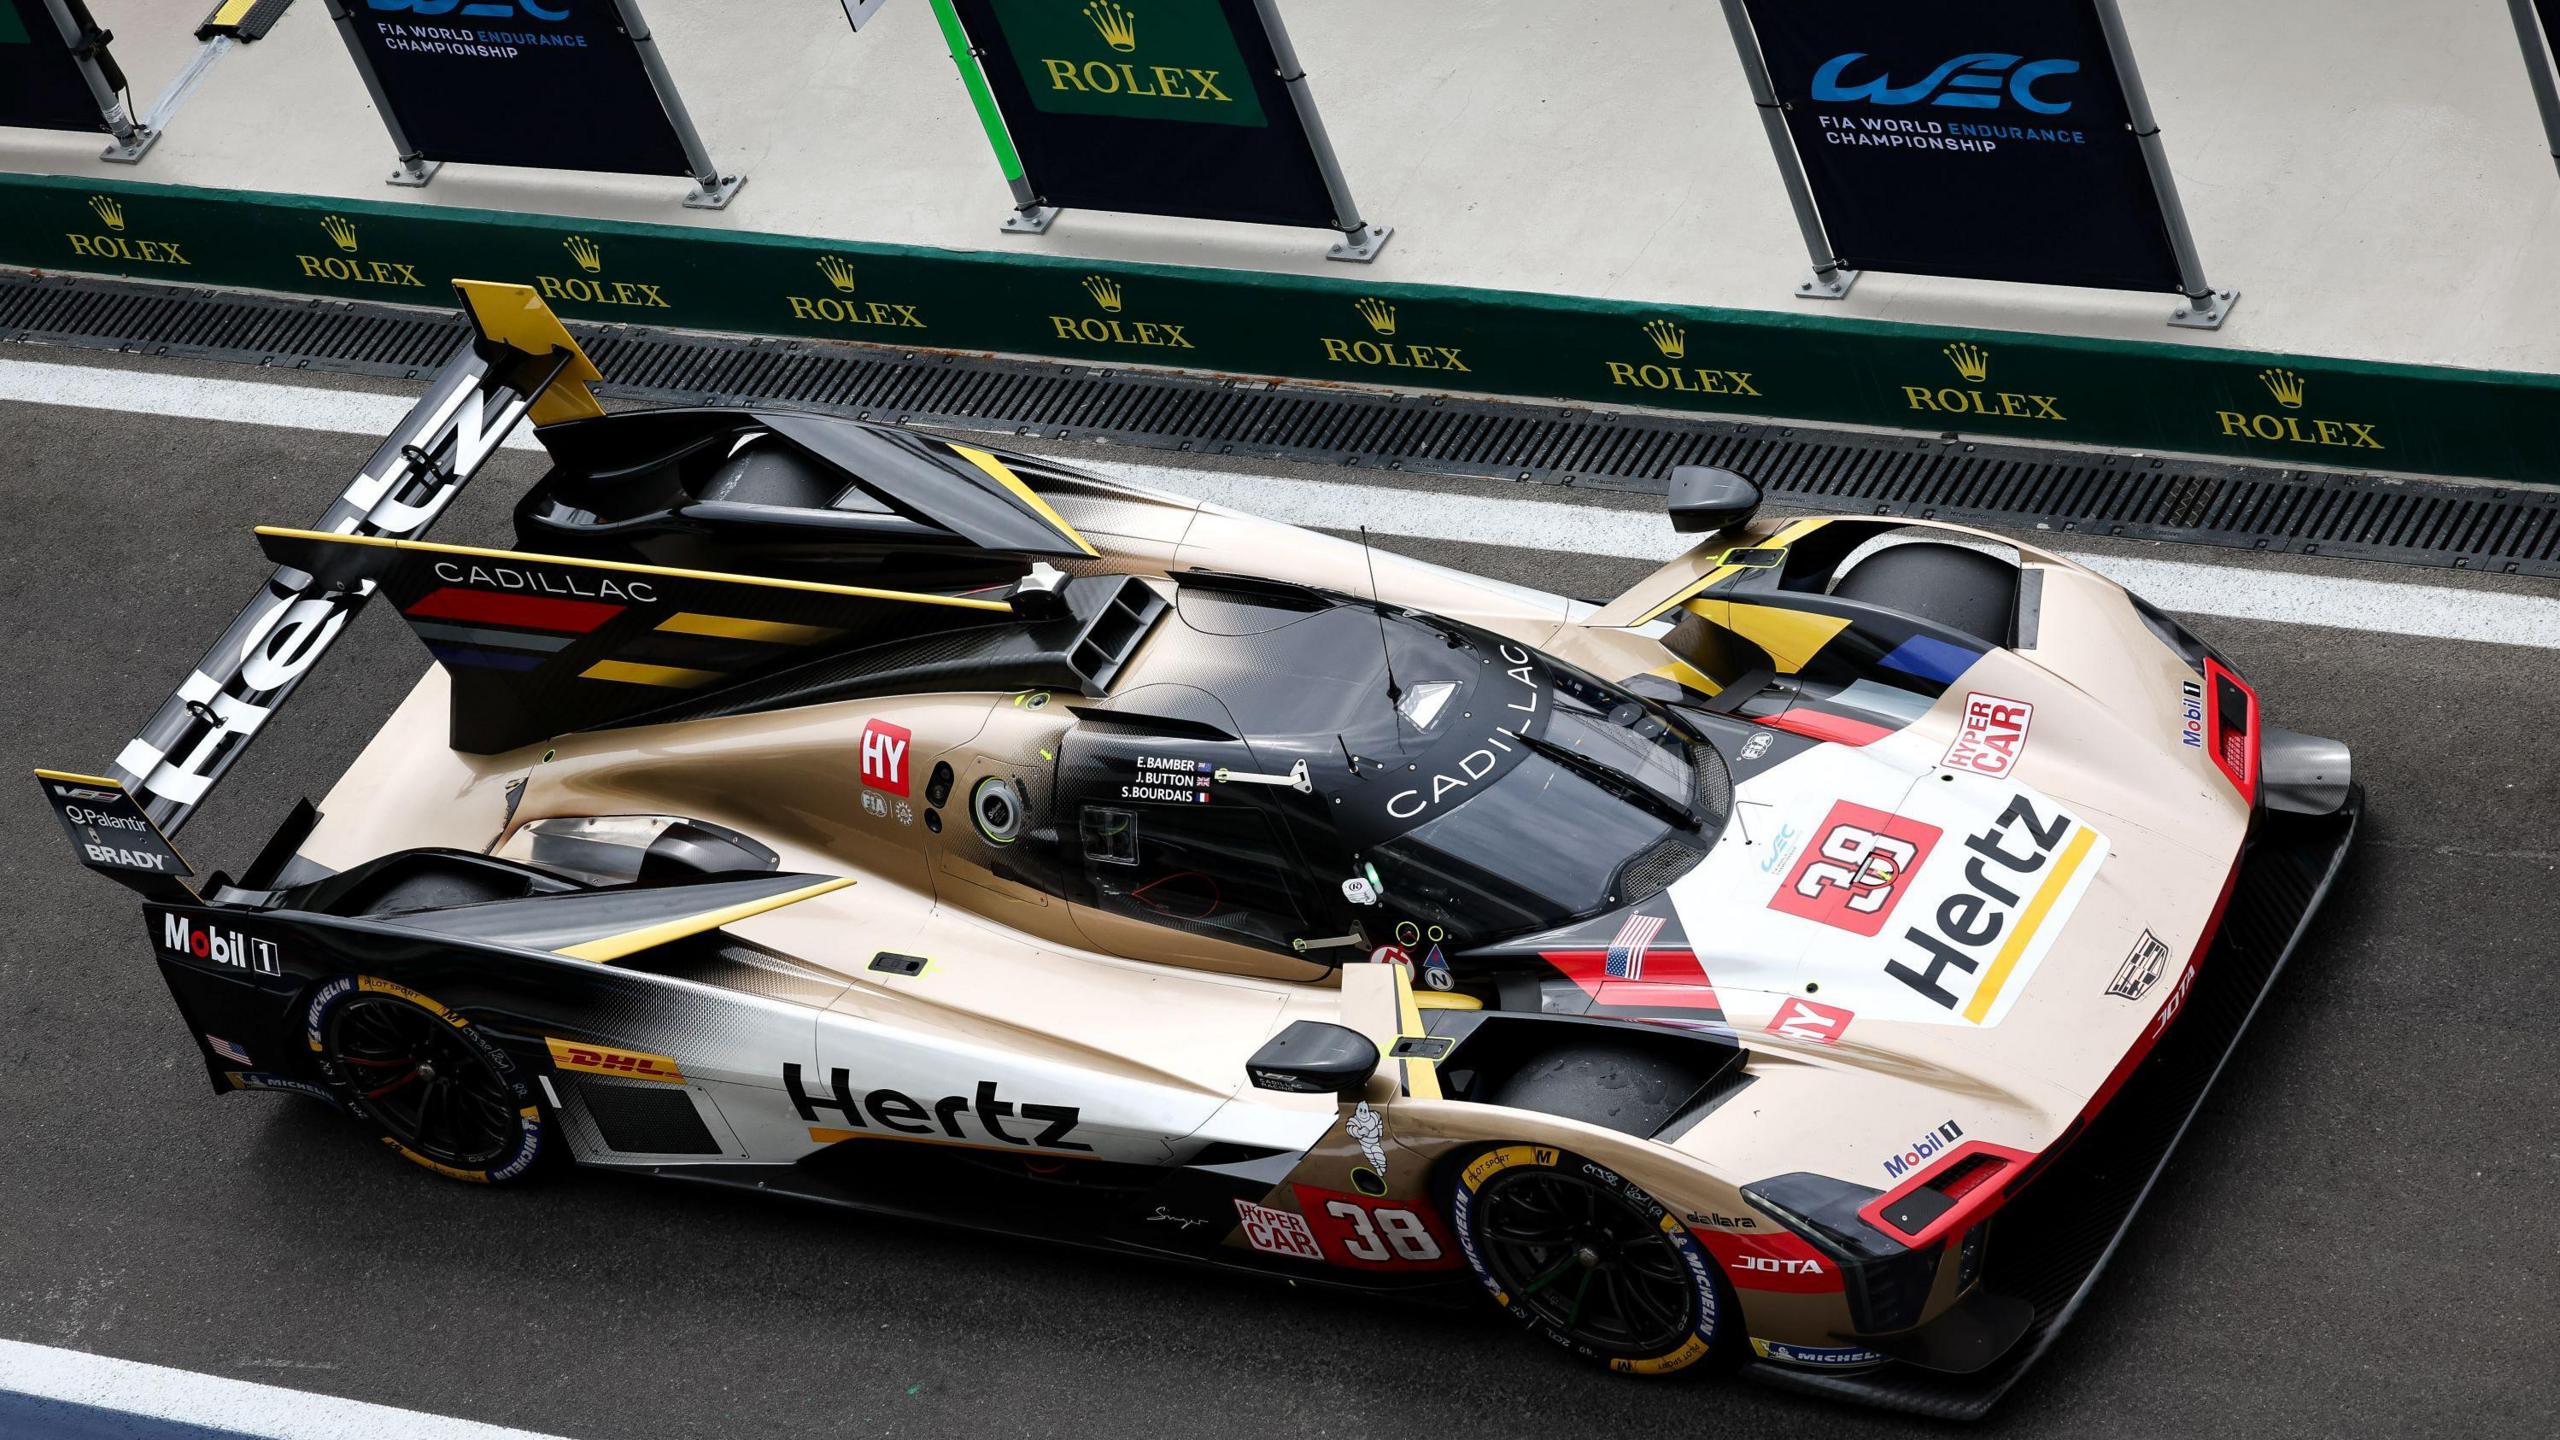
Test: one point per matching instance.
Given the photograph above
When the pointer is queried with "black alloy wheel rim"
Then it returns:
(427, 1086)
(1586, 1263)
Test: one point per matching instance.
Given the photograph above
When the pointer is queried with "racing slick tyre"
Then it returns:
(1945, 584)
(1582, 1256)
(434, 1088)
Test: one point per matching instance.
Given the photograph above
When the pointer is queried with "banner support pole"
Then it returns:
(2206, 307)
(2546, 77)
(415, 170)
(1360, 242)
(711, 189)
(132, 141)
(1830, 280)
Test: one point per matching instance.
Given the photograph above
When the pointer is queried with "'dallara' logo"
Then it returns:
(1671, 341)
(588, 256)
(1110, 297)
(1154, 60)
(868, 314)
(112, 243)
(2291, 393)
(1393, 353)
(342, 235)
(1972, 364)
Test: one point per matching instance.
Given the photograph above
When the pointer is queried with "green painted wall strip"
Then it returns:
(957, 37)
(2304, 410)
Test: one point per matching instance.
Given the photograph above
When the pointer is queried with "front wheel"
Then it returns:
(1582, 1256)
(434, 1088)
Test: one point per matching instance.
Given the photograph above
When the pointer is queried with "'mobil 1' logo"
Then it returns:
(846, 307)
(1111, 327)
(1973, 366)
(1388, 351)
(2290, 390)
(1671, 342)
(1154, 60)
(596, 291)
(112, 243)
(350, 267)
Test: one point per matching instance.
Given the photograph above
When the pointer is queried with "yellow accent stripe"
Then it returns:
(619, 567)
(831, 1135)
(1421, 1077)
(1988, 992)
(629, 672)
(732, 627)
(631, 942)
(1688, 677)
(1004, 476)
(70, 778)
(1792, 637)
(514, 316)
(1691, 591)
(1445, 1000)
(231, 12)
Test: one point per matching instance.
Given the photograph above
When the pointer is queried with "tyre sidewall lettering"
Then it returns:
(529, 1121)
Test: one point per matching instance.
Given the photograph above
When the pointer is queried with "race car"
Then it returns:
(1801, 964)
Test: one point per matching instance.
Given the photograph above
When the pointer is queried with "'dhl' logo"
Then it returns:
(2290, 391)
(1389, 353)
(1973, 364)
(342, 234)
(1105, 329)
(874, 314)
(1671, 341)
(113, 244)
(589, 257)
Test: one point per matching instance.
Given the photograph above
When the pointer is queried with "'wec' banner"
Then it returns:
(41, 87)
(1987, 139)
(1161, 107)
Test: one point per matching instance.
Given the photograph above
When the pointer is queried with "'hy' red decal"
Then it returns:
(528, 612)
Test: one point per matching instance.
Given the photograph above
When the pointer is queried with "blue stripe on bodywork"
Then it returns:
(1931, 658)
(482, 659)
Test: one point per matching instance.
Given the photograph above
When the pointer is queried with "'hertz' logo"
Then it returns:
(588, 254)
(109, 212)
(1105, 292)
(839, 272)
(342, 233)
(602, 1060)
(1971, 361)
(1973, 364)
(2286, 386)
(2291, 391)
(1119, 28)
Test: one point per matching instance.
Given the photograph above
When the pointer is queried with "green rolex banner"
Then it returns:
(41, 87)
(1158, 107)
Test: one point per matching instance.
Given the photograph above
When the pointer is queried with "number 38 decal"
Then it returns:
(1375, 1233)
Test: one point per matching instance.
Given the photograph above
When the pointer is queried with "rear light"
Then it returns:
(1958, 1191)
(2231, 726)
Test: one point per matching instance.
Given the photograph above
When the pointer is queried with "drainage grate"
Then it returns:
(2502, 529)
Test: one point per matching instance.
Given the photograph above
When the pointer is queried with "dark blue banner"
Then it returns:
(1987, 139)
(40, 83)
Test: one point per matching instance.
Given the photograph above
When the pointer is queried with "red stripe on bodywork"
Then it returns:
(1822, 725)
(528, 612)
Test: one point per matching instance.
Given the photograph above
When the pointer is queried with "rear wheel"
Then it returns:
(1579, 1254)
(435, 1089)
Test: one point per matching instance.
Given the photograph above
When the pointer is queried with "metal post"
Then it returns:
(2206, 307)
(711, 189)
(132, 141)
(1360, 242)
(1830, 279)
(2546, 86)
(1029, 217)
(415, 169)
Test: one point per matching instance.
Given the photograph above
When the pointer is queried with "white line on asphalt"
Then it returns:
(2241, 591)
(138, 1394)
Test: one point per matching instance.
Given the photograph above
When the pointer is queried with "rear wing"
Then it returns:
(521, 362)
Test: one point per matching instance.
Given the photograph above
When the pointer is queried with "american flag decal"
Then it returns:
(1626, 953)
(227, 1050)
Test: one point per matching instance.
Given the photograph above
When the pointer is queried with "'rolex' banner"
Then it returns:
(1987, 139)
(1162, 107)
(555, 84)
(41, 87)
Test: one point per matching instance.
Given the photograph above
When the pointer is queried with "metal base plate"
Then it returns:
(1359, 247)
(130, 152)
(1834, 286)
(2207, 314)
(414, 174)
(1031, 220)
(715, 197)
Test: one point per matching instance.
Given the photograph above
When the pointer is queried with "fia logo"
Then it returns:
(1976, 81)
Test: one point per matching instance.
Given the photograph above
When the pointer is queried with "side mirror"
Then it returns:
(1312, 1057)
(1705, 499)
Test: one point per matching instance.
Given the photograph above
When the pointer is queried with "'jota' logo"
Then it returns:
(1973, 365)
(1671, 341)
(590, 259)
(873, 314)
(1391, 355)
(113, 244)
(342, 234)
(2290, 391)
(1110, 298)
